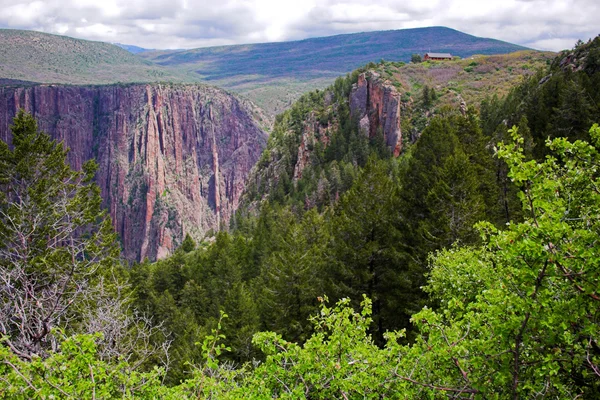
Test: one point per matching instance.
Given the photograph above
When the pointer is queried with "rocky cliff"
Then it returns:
(376, 105)
(313, 132)
(317, 144)
(173, 159)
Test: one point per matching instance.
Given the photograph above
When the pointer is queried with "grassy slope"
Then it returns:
(40, 57)
(472, 78)
(275, 74)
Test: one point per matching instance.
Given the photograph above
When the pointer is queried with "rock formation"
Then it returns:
(313, 132)
(173, 159)
(376, 105)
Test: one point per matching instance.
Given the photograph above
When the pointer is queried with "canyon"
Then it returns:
(173, 159)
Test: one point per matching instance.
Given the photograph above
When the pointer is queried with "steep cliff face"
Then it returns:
(313, 132)
(317, 145)
(173, 159)
(376, 105)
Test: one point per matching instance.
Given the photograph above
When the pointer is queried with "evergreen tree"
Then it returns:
(292, 278)
(55, 240)
(188, 243)
(365, 248)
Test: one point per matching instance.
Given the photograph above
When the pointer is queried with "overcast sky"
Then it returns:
(162, 24)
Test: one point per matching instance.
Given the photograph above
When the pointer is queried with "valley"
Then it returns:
(333, 217)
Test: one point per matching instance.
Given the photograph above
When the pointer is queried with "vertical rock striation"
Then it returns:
(376, 105)
(173, 159)
(312, 133)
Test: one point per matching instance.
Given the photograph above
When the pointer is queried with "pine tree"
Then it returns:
(365, 249)
(188, 244)
(55, 240)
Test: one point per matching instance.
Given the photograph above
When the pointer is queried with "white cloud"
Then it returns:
(544, 24)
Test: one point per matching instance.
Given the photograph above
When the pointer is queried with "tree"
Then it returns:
(427, 97)
(188, 244)
(519, 316)
(365, 250)
(415, 58)
(292, 278)
(55, 240)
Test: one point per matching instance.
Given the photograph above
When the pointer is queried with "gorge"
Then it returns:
(173, 159)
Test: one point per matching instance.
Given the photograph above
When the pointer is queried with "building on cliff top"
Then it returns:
(437, 56)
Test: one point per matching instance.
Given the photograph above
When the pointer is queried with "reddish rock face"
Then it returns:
(173, 159)
(377, 105)
(312, 133)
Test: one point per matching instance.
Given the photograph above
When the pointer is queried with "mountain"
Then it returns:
(173, 158)
(390, 99)
(299, 66)
(272, 75)
(44, 58)
(131, 48)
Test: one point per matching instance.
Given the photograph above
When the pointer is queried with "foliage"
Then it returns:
(76, 372)
(188, 244)
(55, 241)
(560, 100)
(519, 315)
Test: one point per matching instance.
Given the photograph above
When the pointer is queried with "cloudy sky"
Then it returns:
(162, 24)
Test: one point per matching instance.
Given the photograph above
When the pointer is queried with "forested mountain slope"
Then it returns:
(331, 210)
(330, 129)
(457, 261)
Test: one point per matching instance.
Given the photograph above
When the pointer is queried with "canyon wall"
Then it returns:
(376, 105)
(173, 159)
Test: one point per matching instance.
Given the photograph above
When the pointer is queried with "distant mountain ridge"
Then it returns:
(132, 49)
(274, 75)
(331, 55)
(45, 58)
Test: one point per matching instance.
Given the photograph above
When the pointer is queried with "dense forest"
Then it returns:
(467, 267)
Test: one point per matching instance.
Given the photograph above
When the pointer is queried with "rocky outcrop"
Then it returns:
(313, 132)
(376, 105)
(173, 159)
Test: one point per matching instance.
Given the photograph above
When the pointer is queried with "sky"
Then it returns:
(183, 24)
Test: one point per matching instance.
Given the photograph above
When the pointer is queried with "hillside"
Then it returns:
(44, 58)
(302, 135)
(418, 231)
(360, 184)
(288, 69)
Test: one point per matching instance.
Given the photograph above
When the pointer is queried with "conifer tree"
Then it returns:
(55, 240)
(365, 250)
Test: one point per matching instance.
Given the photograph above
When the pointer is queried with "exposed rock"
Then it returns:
(545, 79)
(463, 105)
(312, 133)
(173, 159)
(376, 104)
